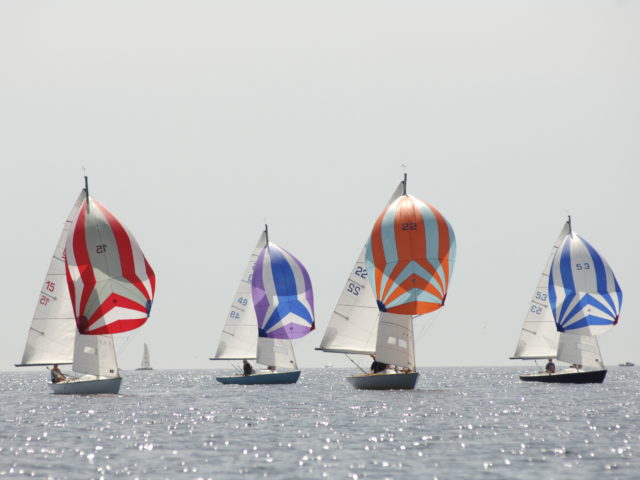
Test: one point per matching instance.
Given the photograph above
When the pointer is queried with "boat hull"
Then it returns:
(384, 381)
(87, 387)
(261, 378)
(590, 376)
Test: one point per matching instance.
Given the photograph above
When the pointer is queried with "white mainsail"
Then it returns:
(239, 336)
(580, 350)
(95, 355)
(353, 326)
(53, 328)
(539, 335)
(395, 344)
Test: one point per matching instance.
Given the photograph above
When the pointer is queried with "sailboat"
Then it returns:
(273, 305)
(577, 298)
(98, 283)
(402, 272)
(146, 362)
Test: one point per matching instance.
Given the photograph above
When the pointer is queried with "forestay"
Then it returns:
(240, 332)
(539, 336)
(53, 328)
(110, 281)
(410, 256)
(353, 325)
(584, 294)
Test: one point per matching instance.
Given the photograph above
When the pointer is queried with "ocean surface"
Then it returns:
(460, 423)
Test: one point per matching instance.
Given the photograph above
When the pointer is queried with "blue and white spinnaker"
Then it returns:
(584, 295)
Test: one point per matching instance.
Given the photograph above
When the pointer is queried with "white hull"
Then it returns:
(87, 387)
(384, 381)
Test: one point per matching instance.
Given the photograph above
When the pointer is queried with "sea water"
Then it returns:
(459, 423)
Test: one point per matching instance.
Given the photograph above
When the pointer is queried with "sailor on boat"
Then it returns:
(57, 375)
(247, 369)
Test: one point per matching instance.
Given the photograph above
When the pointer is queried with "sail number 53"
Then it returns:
(583, 266)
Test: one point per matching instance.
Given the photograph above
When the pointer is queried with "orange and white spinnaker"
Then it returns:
(410, 256)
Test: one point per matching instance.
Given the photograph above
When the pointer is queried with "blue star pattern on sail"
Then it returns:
(282, 295)
(584, 295)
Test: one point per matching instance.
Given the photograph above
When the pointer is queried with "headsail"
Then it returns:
(95, 355)
(539, 336)
(53, 327)
(580, 350)
(584, 294)
(282, 295)
(353, 325)
(410, 257)
(240, 333)
(110, 281)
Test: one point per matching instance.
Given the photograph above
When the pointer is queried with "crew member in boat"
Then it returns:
(247, 369)
(550, 367)
(376, 366)
(56, 375)
(271, 369)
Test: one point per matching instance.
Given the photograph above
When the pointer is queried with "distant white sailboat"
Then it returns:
(98, 283)
(272, 306)
(577, 297)
(146, 362)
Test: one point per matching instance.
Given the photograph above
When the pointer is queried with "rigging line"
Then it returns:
(427, 325)
(354, 362)
(127, 341)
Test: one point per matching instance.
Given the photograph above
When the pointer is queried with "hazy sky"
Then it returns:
(196, 121)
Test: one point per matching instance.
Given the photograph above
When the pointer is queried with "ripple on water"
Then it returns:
(461, 423)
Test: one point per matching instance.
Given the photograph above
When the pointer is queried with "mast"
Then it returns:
(569, 222)
(266, 233)
(86, 191)
(404, 185)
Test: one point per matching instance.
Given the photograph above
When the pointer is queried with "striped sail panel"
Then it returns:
(584, 294)
(110, 281)
(282, 295)
(239, 335)
(410, 256)
(53, 328)
(539, 335)
(354, 322)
